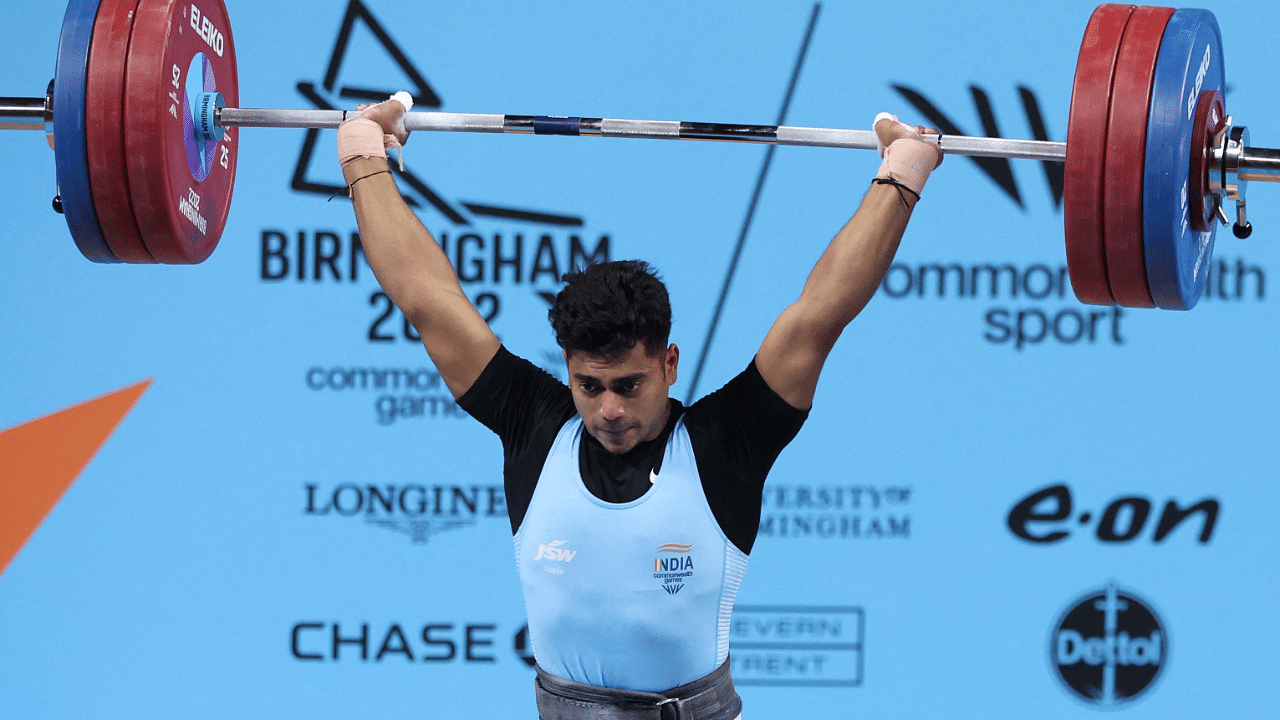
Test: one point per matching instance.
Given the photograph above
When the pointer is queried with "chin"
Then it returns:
(614, 446)
(617, 449)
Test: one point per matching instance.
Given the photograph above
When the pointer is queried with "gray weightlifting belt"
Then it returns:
(708, 698)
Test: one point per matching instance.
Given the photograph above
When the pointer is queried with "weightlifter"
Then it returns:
(633, 515)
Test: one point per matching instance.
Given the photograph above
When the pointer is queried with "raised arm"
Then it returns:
(409, 264)
(848, 273)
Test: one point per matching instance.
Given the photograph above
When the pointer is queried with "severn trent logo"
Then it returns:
(1108, 648)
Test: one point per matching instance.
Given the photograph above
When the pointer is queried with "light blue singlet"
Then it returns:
(633, 595)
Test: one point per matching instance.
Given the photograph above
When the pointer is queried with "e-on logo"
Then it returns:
(1108, 647)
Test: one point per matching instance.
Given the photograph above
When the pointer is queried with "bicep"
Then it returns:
(792, 355)
(457, 338)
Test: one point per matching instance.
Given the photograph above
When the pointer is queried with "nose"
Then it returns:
(612, 407)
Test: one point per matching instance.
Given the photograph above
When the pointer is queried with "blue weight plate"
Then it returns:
(70, 152)
(1178, 257)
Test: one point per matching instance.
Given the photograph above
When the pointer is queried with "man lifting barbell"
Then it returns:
(633, 515)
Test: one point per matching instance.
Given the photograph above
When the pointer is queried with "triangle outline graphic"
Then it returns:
(424, 95)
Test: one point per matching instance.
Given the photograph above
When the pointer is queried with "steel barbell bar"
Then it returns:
(643, 129)
(1250, 163)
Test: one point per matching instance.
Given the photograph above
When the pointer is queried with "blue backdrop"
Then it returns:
(296, 521)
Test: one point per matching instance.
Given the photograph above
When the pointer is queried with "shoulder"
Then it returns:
(745, 399)
(512, 392)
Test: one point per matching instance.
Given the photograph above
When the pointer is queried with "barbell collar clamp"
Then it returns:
(1232, 164)
(207, 106)
(1233, 155)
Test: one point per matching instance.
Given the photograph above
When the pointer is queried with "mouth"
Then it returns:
(612, 435)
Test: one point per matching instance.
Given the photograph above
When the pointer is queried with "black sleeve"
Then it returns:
(525, 406)
(737, 433)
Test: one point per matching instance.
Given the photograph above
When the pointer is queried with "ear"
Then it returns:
(671, 363)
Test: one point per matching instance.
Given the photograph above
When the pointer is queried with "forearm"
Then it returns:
(849, 271)
(409, 264)
(839, 286)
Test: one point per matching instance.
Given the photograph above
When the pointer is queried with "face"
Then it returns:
(623, 400)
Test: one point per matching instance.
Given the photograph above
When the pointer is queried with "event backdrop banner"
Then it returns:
(1005, 503)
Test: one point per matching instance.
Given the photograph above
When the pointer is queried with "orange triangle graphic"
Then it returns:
(40, 459)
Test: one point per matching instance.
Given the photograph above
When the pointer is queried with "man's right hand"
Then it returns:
(377, 129)
(908, 158)
(389, 114)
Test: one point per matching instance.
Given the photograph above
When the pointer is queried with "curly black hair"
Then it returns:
(609, 307)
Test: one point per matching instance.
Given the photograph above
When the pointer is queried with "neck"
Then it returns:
(662, 422)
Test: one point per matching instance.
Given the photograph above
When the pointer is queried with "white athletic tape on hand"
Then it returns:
(359, 137)
(908, 159)
(362, 137)
(879, 117)
(389, 140)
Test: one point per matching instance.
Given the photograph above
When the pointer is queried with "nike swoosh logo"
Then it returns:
(653, 477)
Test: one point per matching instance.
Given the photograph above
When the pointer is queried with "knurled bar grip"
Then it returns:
(650, 129)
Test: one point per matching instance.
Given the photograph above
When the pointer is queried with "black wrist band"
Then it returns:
(353, 182)
(350, 191)
(897, 184)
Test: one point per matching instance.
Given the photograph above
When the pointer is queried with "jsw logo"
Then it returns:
(553, 551)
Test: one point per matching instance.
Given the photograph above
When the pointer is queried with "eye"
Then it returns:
(589, 388)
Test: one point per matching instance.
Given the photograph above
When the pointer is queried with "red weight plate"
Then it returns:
(104, 130)
(1211, 117)
(181, 186)
(1083, 184)
(1126, 152)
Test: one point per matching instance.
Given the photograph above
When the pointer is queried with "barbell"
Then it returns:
(143, 115)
